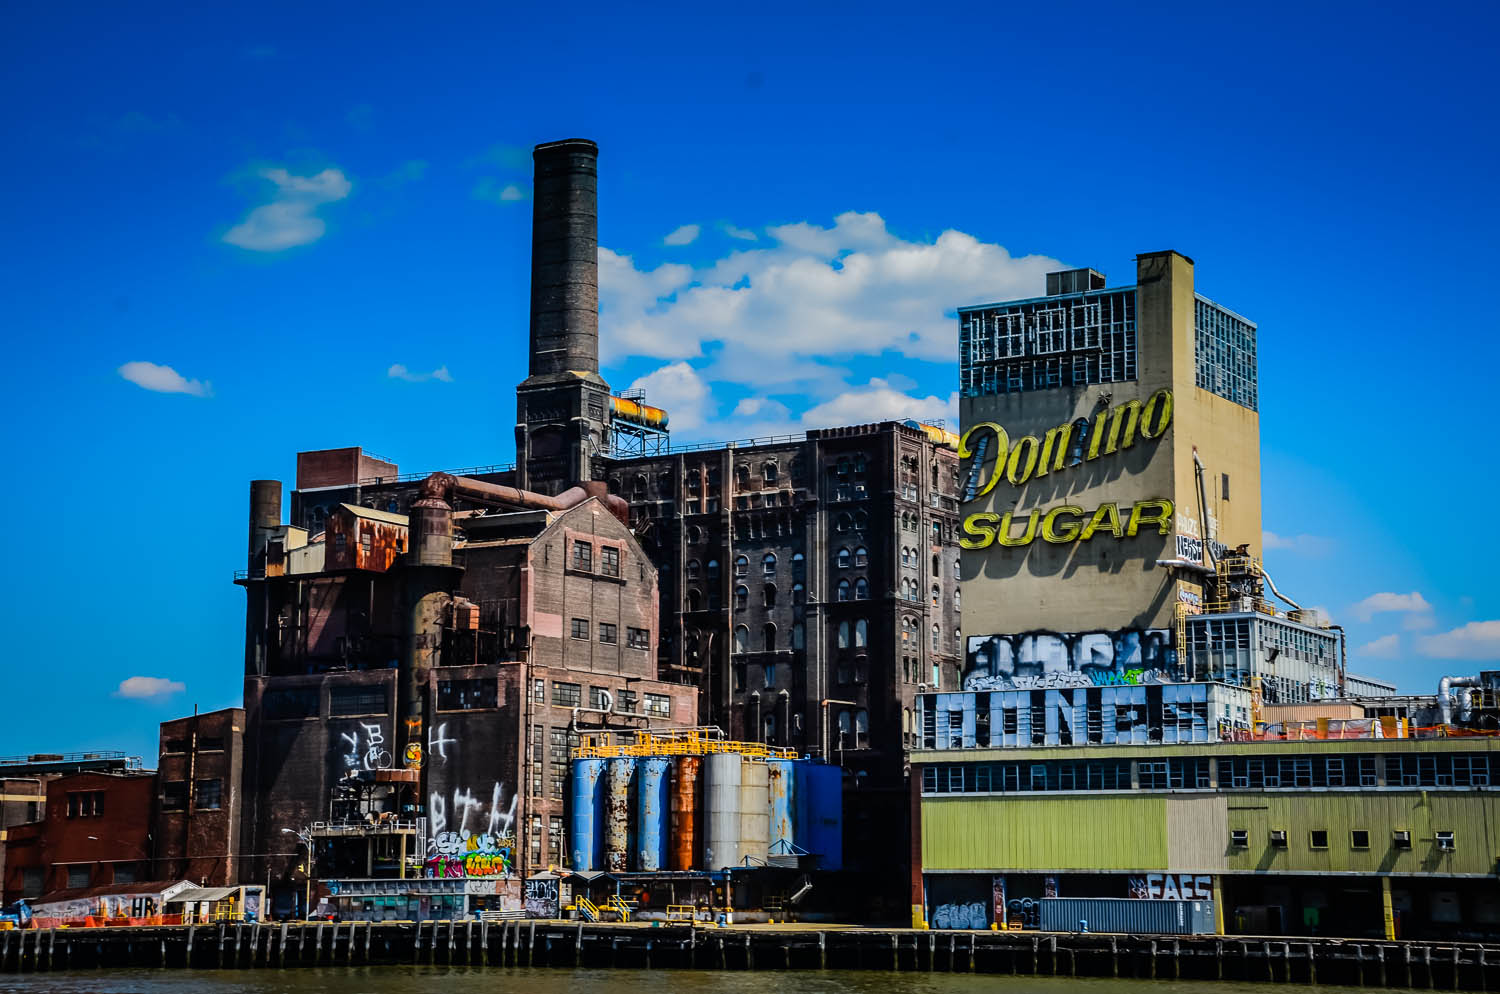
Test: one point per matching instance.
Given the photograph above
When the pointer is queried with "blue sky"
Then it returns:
(282, 204)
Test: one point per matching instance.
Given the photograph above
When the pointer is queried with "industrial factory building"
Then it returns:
(792, 592)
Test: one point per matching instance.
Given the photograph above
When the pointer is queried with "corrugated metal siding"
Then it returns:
(1105, 914)
(1044, 833)
(1197, 835)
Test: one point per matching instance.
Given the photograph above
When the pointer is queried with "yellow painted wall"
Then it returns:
(1058, 833)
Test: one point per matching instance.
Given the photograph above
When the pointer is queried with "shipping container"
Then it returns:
(1137, 917)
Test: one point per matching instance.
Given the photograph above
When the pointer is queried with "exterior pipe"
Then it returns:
(1272, 584)
(1185, 564)
(442, 486)
(1445, 698)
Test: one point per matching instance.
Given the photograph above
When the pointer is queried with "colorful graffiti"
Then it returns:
(1035, 660)
(970, 915)
(451, 855)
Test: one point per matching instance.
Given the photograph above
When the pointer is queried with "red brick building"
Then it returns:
(198, 798)
(96, 830)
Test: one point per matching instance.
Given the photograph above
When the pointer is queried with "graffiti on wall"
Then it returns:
(541, 898)
(363, 748)
(452, 855)
(473, 833)
(1172, 887)
(1034, 660)
(965, 915)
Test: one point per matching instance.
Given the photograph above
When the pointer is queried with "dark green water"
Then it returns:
(501, 980)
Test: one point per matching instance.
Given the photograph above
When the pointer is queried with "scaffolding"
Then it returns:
(1238, 586)
(635, 427)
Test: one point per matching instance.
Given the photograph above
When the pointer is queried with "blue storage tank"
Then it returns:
(587, 843)
(783, 804)
(651, 813)
(818, 825)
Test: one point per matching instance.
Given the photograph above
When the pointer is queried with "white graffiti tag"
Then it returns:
(372, 754)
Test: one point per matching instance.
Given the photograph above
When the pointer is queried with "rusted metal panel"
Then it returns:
(621, 776)
(780, 786)
(755, 809)
(684, 843)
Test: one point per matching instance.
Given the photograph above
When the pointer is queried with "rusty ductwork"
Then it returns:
(443, 486)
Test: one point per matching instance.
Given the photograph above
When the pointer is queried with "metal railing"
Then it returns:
(499, 467)
(363, 827)
(103, 755)
(739, 443)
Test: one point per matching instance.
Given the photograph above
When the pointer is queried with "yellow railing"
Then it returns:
(681, 912)
(588, 908)
(690, 742)
(620, 906)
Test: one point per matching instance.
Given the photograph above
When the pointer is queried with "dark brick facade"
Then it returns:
(196, 834)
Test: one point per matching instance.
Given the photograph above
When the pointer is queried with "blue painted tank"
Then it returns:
(782, 793)
(651, 799)
(587, 842)
(818, 824)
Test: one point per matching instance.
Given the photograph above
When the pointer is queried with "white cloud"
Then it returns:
(163, 379)
(677, 388)
(142, 687)
(492, 189)
(685, 235)
(880, 400)
(1385, 647)
(1399, 603)
(743, 234)
(400, 372)
(1479, 640)
(810, 294)
(1312, 545)
(289, 219)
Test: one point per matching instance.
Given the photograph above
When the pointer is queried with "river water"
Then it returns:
(512, 980)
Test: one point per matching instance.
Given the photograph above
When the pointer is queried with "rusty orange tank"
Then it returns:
(684, 806)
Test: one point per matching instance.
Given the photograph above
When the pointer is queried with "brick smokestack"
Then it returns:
(565, 258)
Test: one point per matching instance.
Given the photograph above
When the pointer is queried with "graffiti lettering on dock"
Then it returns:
(541, 898)
(452, 856)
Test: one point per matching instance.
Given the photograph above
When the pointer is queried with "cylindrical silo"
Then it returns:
(620, 775)
(755, 810)
(685, 831)
(651, 813)
(585, 836)
(721, 811)
(781, 786)
(820, 802)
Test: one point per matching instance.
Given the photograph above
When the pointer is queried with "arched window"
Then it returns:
(768, 633)
(844, 590)
(934, 476)
(770, 595)
(846, 730)
(957, 570)
(937, 566)
(741, 597)
(799, 594)
(741, 565)
(799, 636)
(843, 467)
(860, 520)
(843, 642)
(859, 465)
(694, 600)
(936, 636)
(742, 476)
(713, 569)
(692, 568)
(742, 638)
(614, 484)
(694, 534)
(937, 532)
(861, 555)
(937, 596)
(640, 484)
(843, 522)
(768, 563)
(861, 728)
(957, 599)
(768, 472)
(861, 633)
(693, 482)
(861, 589)
(799, 566)
(843, 558)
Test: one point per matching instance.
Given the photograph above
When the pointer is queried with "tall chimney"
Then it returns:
(565, 258)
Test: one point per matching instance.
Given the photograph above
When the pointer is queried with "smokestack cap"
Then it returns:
(566, 144)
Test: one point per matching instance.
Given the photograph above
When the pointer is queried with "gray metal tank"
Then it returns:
(755, 810)
(721, 807)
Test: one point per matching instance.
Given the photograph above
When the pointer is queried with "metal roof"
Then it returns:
(369, 512)
(202, 894)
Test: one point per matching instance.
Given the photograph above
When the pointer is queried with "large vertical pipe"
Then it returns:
(621, 774)
(685, 834)
(585, 803)
(721, 814)
(565, 258)
(651, 813)
(265, 517)
(781, 785)
(427, 577)
(755, 810)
